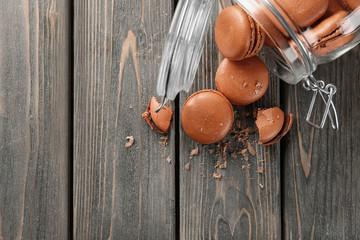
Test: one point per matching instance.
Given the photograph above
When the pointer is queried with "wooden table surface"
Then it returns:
(75, 77)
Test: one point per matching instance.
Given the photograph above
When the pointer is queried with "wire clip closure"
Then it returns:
(325, 91)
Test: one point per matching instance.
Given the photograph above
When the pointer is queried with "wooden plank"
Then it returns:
(118, 191)
(320, 169)
(244, 204)
(34, 119)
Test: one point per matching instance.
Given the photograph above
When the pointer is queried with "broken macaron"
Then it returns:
(160, 121)
(207, 116)
(272, 125)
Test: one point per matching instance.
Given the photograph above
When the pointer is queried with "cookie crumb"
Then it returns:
(202, 174)
(187, 166)
(164, 141)
(260, 170)
(130, 106)
(168, 159)
(260, 185)
(217, 175)
(130, 141)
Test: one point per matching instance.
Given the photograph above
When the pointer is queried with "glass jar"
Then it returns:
(298, 41)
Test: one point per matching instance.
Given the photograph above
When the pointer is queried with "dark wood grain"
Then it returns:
(243, 204)
(34, 119)
(120, 193)
(320, 169)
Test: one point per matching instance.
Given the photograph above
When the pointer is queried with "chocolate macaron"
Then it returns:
(242, 82)
(207, 116)
(329, 35)
(349, 5)
(237, 35)
(304, 12)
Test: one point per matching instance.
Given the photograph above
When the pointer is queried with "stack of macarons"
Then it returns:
(241, 79)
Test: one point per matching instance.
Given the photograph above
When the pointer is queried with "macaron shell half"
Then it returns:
(207, 116)
(304, 12)
(161, 121)
(269, 122)
(233, 33)
(242, 82)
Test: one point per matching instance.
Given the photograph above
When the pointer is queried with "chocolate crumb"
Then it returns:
(202, 174)
(250, 149)
(130, 106)
(262, 186)
(243, 166)
(211, 151)
(233, 155)
(217, 175)
(187, 166)
(164, 141)
(260, 170)
(168, 159)
(256, 92)
(194, 152)
(238, 124)
(245, 84)
(237, 189)
(130, 141)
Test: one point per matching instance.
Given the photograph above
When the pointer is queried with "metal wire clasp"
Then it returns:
(319, 87)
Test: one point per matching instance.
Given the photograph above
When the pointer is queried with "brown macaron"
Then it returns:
(328, 36)
(304, 12)
(349, 5)
(207, 116)
(242, 82)
(237, 35)
(161, 121)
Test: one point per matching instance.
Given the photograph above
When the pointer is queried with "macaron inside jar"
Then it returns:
(207, 116)
(237, 35)
(242, 82)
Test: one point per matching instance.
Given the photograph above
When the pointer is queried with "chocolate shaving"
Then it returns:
(250, 148)
(187, 166)
(168, 159)
(130, 141)
(194, 152)
(217, 175)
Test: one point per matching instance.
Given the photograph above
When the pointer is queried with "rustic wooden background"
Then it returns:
(74, 80)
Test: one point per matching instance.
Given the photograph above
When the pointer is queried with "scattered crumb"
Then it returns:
(260, 170)
(220, 165)
(243, 166)
(237, 189)
(250, 149)
(211, 151)
(245, 84)
(244, 153)
(238, 124)
(217, 175)
(259, 85)
(194, 152)
(162, 155)
(256, 91)
(168, 159)
(202, 174)
(130, 141)
(278, 117)
(262, 186)
(187, 166)
(164, 141)
(233, 155)
(130, 106)
(232, 77)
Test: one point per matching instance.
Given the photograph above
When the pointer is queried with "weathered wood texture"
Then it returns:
(243, 204)
(120, 193)
(320, 169)
(34, 119)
